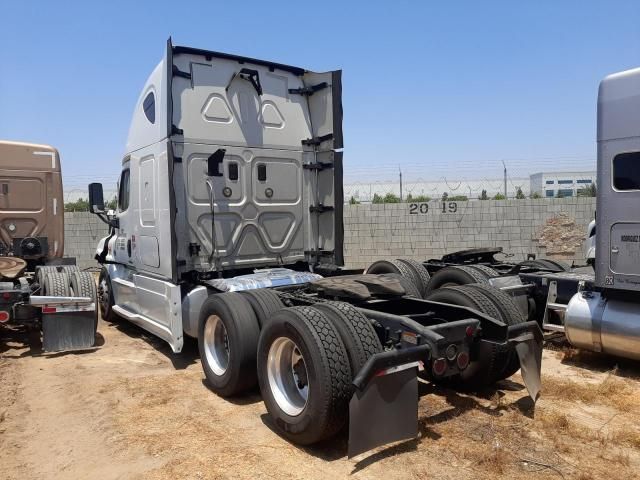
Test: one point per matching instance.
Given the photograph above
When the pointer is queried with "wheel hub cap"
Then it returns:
(216, 345)
(288, 377)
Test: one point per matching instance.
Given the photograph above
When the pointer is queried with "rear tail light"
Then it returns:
(469, 331)
(4, 316)
(6, 295)
(463, 360)
(439, 366)
(48, 309)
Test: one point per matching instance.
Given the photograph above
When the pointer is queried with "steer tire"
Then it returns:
(56, 284)
(238, 346)
(410, 288)
(487, 366)
(455, 275)
(356, 331)
(105, 297)
(326, 369)
(421, 273)
(264, 302)
(397, 267)
(84, 285)
(511, 315)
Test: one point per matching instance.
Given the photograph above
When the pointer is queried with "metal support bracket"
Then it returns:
(552, 296)
(315, 141)
(308, 91)
(179, 73)
(317, 166)
(320, 208)
(319, 253)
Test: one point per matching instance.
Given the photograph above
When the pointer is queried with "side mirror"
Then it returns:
(214, 161)
(96, 198)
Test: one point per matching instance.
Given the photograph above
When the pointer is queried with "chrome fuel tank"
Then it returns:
(596, 323)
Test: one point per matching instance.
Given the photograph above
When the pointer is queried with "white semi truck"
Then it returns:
(229, 229)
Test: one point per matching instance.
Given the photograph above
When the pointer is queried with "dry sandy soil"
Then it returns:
(130, 409)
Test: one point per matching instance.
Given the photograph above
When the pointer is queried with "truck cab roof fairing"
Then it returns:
(619, 106)
(143, 131)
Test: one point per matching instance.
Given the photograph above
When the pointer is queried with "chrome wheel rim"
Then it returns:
(216, 345)
(288, 377)
(103, 295)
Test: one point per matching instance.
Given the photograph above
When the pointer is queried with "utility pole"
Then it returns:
(400, 171)
(505, 178)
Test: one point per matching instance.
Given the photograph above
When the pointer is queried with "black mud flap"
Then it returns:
(63, 331)
(385, 411)
(528, 341)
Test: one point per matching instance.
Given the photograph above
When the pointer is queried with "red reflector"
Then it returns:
(469, 331)
(4, 316)
(48, 309)
(6, 295)
(463, 360)
(439, 366)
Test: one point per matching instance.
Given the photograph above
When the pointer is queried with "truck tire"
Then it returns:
(410, 288)
(355, 330)
(42, 270)
(486, 368)
(488, 271)
(227, 341)
(511, 315)
(84, 285)
(421, 273)
(304, 375)
(396, 267)
(105, 297)
(56, 284)
(264, 302)
(455, 275)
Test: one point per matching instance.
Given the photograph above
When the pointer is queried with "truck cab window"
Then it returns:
(626, 171)
(149, 107)
(123, 193)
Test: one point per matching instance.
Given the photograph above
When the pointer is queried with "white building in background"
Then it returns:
(565, 184)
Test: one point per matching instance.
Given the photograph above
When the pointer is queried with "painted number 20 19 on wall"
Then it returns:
(423, 208)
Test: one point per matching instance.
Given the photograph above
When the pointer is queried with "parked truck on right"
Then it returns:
(598, 312)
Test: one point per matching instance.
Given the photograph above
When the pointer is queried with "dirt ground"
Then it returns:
(132, 410)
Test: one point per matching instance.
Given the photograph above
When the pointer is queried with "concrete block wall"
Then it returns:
(82, 230)
(553, 228)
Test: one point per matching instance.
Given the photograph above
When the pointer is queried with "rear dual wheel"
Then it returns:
(227, 340)
(460, 275)
(83, 284)
(304, 375)
(307, 359)
(411, 271)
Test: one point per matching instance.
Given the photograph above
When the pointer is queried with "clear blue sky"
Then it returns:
(431, 86)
